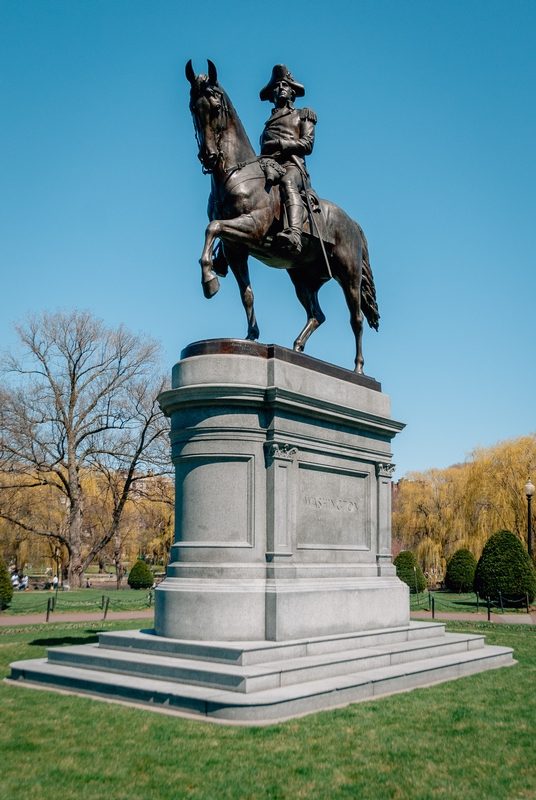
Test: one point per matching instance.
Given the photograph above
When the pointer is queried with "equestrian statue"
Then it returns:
(264, 206)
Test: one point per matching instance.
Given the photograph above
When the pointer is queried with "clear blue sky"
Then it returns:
(426, 136)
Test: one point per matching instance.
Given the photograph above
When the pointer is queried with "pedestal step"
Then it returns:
(244, 653)
(261, 692)
(254, 678)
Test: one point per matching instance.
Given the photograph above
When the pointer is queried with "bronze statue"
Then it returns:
(247, 214)
(288, 136)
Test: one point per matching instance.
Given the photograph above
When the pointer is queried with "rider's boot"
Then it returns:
(290, 238)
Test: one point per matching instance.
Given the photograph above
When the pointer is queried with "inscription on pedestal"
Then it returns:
(328, 503)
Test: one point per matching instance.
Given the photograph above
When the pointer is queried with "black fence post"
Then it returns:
(106, 606)
(49, 608)
(102, 602)
(433, 607)
(528, 604)
(477, 603)
(501, 602)
(489, 609)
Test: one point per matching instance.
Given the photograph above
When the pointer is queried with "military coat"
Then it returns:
(289, 131)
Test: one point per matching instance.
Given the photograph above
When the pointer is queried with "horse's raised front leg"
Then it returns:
(307, 293)
(238, 230)
(237, 258)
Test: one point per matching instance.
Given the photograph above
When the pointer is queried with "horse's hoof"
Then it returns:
(211, 287)
(253, 333)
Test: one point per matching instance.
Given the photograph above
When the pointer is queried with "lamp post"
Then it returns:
(529, 491)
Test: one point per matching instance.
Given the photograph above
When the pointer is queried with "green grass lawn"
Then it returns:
(471, 739)
(462, 601)
(35, 602)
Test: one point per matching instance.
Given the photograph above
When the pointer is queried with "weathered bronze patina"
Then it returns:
(288, 137)
(249, 194)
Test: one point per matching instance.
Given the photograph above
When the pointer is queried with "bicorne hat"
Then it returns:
(281, 73)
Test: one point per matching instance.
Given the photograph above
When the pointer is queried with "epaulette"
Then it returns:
(308, 114)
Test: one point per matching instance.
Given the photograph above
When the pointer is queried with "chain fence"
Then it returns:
(60, 603)
(434, 601)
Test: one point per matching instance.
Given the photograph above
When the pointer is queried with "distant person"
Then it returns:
(24, 583)
(15, 579)
(55, 582)
(88, 583)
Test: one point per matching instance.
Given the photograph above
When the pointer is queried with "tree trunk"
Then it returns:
(76, 568)
(118, 567)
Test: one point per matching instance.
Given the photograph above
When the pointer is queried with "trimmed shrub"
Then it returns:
(460, 573)
(140, 576)
(505, 567)
(6, 587)
(406, 569)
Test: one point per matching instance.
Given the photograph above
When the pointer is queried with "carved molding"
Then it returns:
(273, 450)
(385, 470)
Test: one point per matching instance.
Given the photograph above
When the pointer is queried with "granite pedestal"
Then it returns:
(283, 487)
(280, 597)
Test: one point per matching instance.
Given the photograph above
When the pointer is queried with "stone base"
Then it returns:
(278, 609)
(260, 682)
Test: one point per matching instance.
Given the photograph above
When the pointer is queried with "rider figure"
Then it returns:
(289, 132)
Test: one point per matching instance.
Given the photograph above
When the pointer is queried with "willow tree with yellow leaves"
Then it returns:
(439, 511)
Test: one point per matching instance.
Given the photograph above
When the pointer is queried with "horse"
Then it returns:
(245, 213)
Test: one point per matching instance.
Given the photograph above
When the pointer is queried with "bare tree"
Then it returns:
(79, 399)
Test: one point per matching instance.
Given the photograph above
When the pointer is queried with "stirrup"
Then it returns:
(290, 239)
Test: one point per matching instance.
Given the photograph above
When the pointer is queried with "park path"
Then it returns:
(95, 616)
(84, 616)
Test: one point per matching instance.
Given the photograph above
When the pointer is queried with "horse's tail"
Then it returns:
(368, 290)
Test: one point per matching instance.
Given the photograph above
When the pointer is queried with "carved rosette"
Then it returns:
(385, 470)
(275, 450)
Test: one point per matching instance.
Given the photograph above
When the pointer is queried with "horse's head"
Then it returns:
(209, 107)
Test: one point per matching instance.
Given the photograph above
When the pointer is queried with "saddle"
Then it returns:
(314, 225)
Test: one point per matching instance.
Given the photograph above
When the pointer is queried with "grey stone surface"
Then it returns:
(285, 679)
(283, 477)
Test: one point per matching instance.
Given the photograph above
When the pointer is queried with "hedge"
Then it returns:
(505, 567)
(460, 573)
(406, 569)
(6, 587)
(140, 576)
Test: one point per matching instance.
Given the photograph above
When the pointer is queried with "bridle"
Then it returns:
(219, 123)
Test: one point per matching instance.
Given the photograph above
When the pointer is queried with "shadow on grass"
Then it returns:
(58, 641)
(89, 636)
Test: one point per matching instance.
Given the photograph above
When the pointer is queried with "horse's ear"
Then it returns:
(212, 73)
(189, 71)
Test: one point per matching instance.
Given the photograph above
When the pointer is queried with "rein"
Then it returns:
(241, 165)
(222, 124)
